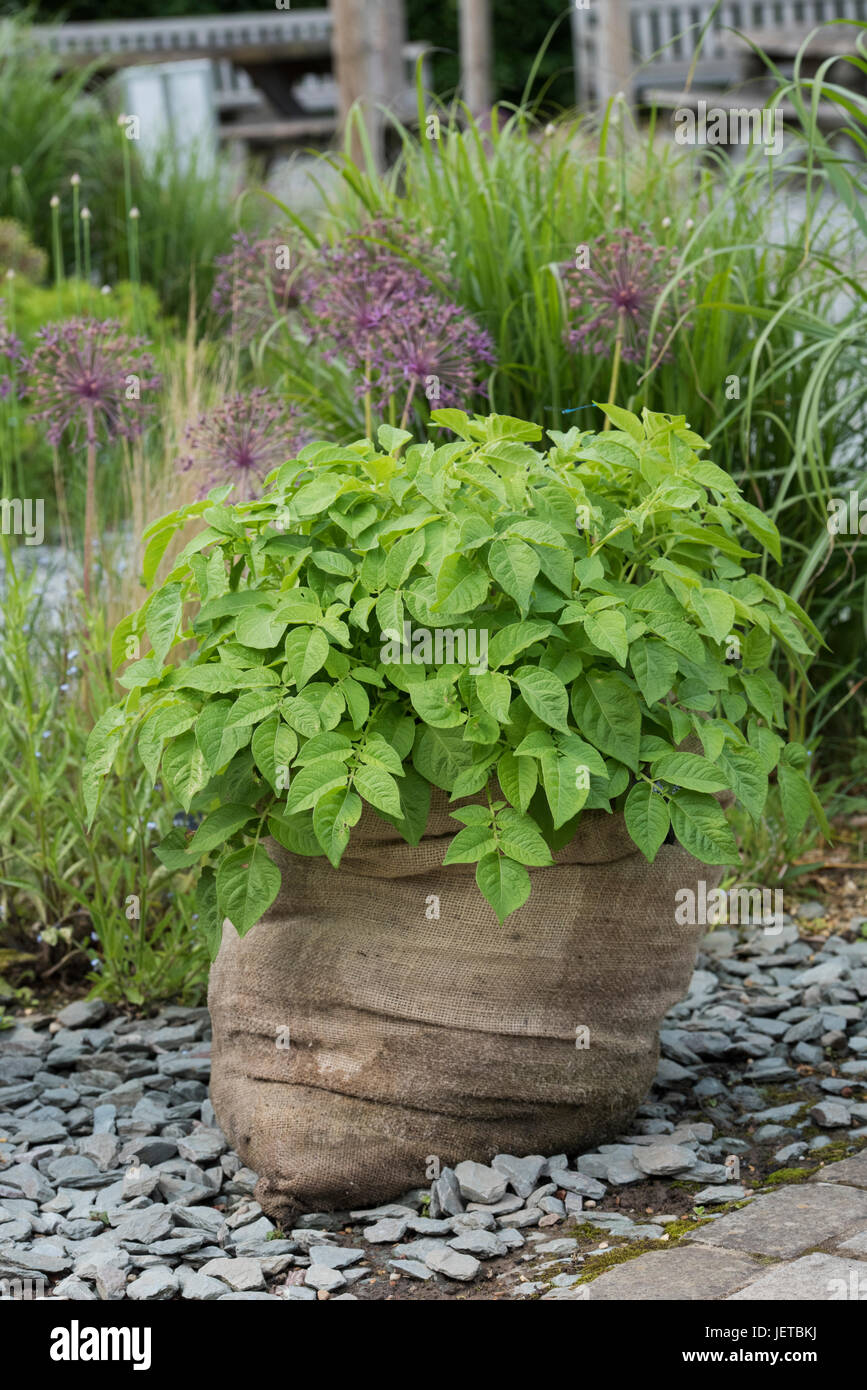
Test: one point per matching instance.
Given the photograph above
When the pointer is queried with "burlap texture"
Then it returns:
(413, 1036)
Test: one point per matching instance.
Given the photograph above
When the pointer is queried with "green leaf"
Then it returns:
(163, 619)
(794, 797)
(302, 716)
(624, 420)
(747, 778)
(167, 721)
(647, 819)
(461, 586)
(377, 753)
(505, 645)
(607, 630)
(608, 715)
(758, 524)
(210, 920)
(296, 834)
(520, 838)
(655, 667)
(441, 755)
(402, 558)
(219, 826)
(274, 745)
(415, 795)
(154, 551)
(545, 694)
(514, 566)
(389, 615)
(217, 742)
(495, 693)
(248, 881)
(392, 440)
(312, 782)
(252, 707)
(503, 883)
(103, 745)
(436, 701)
(334, 815)
(184, 769)
(715, 612)
(317, 496)
(689, 770)
(173, 852)
(307, 651)
(261, 628)
(379, 788)
(565, 794)
(470, 845)
(763, 694)
(518, 778)
(700, 825)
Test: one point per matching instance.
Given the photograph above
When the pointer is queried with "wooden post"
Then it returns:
(614, 51)
(476, 50)
(369, 37)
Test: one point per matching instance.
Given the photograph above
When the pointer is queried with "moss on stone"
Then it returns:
(786, 1175)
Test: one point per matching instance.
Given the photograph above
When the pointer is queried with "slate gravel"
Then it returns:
(116, 1182)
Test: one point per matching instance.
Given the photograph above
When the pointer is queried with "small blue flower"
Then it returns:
(64, 687)
(70, 656)
(151, 825)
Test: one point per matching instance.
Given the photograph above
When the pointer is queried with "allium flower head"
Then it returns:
(240, 441)
(10, 350)
(438, 349)
(373, 302)
(87, 377)
(253, 285)
(618, 292)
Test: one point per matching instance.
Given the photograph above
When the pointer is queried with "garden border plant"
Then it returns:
(595, 610)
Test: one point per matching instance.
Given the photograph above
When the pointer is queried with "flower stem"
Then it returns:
(409, 395)
(368, 411)
(615, 366)
(90, 505)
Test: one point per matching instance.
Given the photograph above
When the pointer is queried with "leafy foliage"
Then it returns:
(547, 628)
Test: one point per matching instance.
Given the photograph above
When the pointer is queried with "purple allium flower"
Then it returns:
(253, 286)
(618, 292)
(87, 373)
(240, 442)
(10, 349)
(380, 310)
(437, 350)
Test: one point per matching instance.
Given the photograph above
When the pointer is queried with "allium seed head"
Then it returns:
(240, 441)
(79, 378)
(619, 292)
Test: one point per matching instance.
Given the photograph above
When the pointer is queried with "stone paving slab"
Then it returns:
(686, 1272)
(788, 1223)
(814, 1278)
(851, 1171)
(855, 1245)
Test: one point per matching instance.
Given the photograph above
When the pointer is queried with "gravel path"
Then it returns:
(744, 1175)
